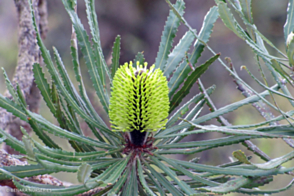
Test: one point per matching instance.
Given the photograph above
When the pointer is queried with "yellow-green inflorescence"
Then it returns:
(139, 99)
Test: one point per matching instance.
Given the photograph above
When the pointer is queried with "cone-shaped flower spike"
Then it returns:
(139, 101)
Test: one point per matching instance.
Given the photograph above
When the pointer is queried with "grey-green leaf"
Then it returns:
(84, 173)
(289, 25)
(168, 34)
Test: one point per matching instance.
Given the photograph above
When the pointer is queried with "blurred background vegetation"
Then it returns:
(140, 23)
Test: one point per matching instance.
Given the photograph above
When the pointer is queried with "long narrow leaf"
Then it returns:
(168, 34)
(176, 100)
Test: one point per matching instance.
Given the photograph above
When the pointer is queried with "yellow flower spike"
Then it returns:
(146, 94)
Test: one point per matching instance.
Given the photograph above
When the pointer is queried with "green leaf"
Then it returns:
(142, 178)
(89, 57)
(13, 142)
(12, 107)
(229, 186)
(99, 57)
(289, 25)
(228, 19)
(90, 109)
(131, 187)
(139, 58)
(221, 111)
(225, 130)
(84, 173)
(168, 35)
(184, 69)
(162, 180)
(264, 192)
(212, 142)
(73, 156)
(276, 162)
(183, 110)
(24, 171)
(178, 53)
(10, 87)
(246, 10)
(40, 133)
(43, 86)
(28, 146)
(246, 170)
(115, 56)
(65, 78)
(185, 187)
(118, 185)
(176, 100)
(112, 173)
(187, 173)
(56, 167)
(55, 77)
(51, 128)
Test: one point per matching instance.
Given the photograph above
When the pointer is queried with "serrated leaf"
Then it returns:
(139, 58)
(142, 178)
(54, 74)
(220, 111)
(228, 18)
(184, 69)
(246, 10)
(43, 86)
(178, 53)
(112, 173)
(12, 107)
(289, 25)
(168, 34)
(225, 130)
(276, 162)
(115, 56)
(10, 87)
(84, 173)
(51, 128)
(40, 133)
(162, 180)
(131, 187)
(185, 187)
(57, 167)
(178, 97)
(187, 173)
(247, 170)
(183, 110)
(264, 192)
(25, 171)
(229, 186)
(85, 45)
(13, 142)
(34, 189)
(99, 57)
(28, 146)
(73, 156)
(84, 96)
(212, 142)
(65, 78)
(118, 185)
(238, 154)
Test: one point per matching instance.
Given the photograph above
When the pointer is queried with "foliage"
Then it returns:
(109, 161)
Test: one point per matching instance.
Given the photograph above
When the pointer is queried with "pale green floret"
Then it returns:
(139, 99)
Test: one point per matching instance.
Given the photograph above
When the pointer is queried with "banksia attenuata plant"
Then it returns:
(139, 101)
